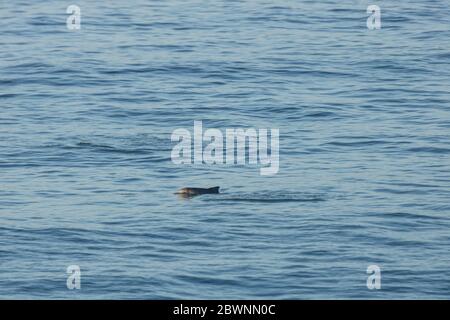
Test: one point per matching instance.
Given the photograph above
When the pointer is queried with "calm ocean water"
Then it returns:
(87, 179)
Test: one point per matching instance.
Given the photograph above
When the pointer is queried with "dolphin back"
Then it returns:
(198, 191)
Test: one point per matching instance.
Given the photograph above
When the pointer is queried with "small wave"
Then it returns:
(429, 150)
(266, 197)
(8, 95)
(29, 65)
(107, 148)
(320, 114)
(358, 143)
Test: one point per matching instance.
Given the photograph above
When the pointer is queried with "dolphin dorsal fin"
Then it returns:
(216, 189)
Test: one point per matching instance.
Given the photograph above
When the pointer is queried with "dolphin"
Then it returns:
(191, 192)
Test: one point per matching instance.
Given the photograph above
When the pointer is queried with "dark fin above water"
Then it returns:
(215, 189)
(191, 192)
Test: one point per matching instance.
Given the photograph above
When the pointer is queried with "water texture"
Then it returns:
(86, 176)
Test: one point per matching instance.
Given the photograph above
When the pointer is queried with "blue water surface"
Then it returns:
(86, 176)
